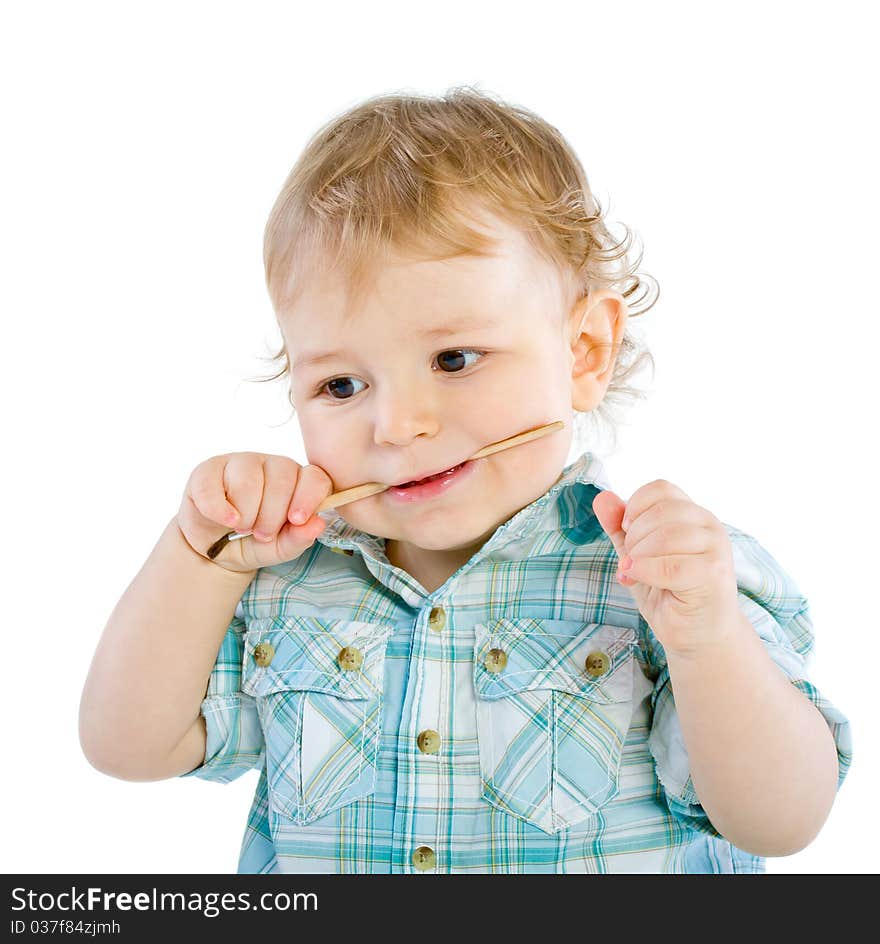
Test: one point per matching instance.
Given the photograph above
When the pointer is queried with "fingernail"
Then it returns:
(626, 563)
(299, 516)
(625, 523)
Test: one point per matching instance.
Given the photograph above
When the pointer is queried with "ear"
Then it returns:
(596, 327)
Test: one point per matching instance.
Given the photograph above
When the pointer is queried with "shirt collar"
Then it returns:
(560, 507)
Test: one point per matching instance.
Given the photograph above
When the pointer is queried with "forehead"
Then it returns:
(404, 289)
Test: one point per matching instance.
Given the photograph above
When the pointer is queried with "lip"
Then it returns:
(433, 489)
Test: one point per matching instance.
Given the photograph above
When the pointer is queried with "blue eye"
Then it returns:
(457, 364)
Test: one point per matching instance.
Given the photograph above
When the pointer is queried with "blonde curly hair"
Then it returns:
(399, 171)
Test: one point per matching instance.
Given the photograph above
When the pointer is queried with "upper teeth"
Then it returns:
(416, 481)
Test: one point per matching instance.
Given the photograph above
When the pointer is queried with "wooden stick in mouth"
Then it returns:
(374, 488)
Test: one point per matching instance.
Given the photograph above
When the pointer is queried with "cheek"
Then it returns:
(320, 436)
(528, 470)
(538, 378)
(504, 405)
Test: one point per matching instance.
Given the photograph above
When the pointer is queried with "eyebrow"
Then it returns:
(456, 327)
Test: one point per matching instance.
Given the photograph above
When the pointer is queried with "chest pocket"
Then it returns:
(318, 685)
(554, 704)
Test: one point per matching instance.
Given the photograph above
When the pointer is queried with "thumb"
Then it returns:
(290, 542)
(296, 539)
(609, 509)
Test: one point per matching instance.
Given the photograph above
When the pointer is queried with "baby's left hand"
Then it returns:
(682, 576)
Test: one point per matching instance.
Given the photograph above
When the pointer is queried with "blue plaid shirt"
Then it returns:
(520, 718)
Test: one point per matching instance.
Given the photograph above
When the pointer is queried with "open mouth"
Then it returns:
(432, 478)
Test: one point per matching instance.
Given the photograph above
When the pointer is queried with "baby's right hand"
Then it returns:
(253, 492)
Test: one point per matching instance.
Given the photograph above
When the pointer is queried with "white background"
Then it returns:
(144, 146)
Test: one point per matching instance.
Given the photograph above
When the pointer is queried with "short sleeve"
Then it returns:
(781, 616)
(235, 742)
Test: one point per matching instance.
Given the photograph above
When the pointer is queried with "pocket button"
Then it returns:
(263, 653)
(597, 663)
(423, 858)
(496, 659)
(429, 742)
(350, 658)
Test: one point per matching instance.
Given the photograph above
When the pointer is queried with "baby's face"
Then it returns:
(407, 388)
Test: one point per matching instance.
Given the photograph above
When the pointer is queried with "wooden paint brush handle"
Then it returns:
(374, 488)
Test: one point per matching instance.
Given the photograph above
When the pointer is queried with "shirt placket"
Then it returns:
(423, 770)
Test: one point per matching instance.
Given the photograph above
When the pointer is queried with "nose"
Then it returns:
(401, 415)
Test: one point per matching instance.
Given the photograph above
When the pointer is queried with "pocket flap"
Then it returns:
(303, 653)
(554, 654)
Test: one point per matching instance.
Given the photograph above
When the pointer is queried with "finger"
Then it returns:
(662, 526)
(243, 482)
(313, 486)
(687, 538)
(675, 572)
(206, 492)
(280, 476)
(646, 496)
(608, 508)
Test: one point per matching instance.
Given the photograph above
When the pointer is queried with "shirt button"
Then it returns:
(350, 658)
(496, 659)
(597, 663)
(423, 858)
(429, 742)
(263, 653)
(437, 619)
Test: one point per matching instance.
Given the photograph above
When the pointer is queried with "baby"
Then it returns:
(494, 665)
